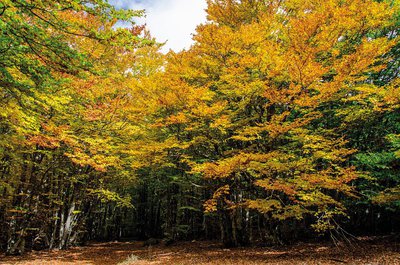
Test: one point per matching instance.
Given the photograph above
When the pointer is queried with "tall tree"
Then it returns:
(250, 99)
(52, 53)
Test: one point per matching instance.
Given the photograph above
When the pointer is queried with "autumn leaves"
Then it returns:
(261, 113)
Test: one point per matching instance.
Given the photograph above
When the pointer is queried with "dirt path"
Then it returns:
(364, 252)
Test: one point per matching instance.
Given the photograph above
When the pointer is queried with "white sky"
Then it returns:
(173, 21)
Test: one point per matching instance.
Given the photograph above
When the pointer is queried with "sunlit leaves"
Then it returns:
(271, 69)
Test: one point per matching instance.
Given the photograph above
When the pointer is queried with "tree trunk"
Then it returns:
(67, 224)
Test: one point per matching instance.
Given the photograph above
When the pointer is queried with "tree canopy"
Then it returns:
(280, 122)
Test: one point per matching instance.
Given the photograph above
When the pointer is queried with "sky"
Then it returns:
(173, 21)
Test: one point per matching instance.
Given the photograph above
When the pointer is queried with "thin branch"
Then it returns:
(3, 10)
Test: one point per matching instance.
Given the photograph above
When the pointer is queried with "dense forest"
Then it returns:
(281, 123)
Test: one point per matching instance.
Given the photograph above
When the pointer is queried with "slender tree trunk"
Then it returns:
(67, 224)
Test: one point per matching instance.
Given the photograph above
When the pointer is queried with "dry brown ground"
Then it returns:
(363, 252)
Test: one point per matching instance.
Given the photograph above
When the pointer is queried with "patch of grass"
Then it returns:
(132, 259)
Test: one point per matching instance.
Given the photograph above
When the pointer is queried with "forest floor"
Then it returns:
(364, 251)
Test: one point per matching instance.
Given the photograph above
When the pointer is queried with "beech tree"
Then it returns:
(55, 149)
(251, 97)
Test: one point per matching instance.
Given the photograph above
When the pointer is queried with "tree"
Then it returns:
(52, 161)
(251, 98)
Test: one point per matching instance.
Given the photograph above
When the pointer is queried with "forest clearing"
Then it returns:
(364, 251)
(277, 123)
